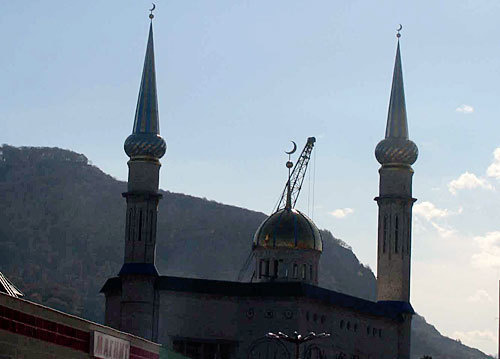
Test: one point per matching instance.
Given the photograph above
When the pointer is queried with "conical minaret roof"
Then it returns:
(397, 123)
(146, 113)
(396, 148)
(145, 140)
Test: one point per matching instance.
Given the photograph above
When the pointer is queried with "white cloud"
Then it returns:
(475, 338)
(480, 296)
(342, 212)
(466, 109)
(494, 169)
(489, 246)
(444, 232)
(429, 211)
(468, 180)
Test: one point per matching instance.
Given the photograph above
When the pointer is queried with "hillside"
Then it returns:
(61, 229)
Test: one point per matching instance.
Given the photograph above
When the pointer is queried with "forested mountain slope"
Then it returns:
(61, 237)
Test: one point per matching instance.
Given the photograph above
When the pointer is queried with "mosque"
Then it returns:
(218, 319)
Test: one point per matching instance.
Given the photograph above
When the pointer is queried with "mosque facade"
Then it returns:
(220, 319)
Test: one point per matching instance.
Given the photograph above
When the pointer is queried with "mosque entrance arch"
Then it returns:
(265, 348)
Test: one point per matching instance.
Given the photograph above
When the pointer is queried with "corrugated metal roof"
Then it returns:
(7, 287)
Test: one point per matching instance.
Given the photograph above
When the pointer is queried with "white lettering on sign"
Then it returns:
(108, 347)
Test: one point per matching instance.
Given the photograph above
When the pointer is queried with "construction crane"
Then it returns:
(297, 176)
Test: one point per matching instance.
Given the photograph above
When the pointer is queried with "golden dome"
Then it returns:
(288, 228)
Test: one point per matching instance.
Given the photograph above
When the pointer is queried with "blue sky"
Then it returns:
(237, 80)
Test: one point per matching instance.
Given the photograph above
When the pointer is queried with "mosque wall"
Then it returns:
(242, 322)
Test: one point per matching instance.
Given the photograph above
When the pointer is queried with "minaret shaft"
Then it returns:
(394, 234)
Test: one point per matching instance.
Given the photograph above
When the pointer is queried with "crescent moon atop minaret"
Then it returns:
(154, 7)
(293, 150)
(400, 27)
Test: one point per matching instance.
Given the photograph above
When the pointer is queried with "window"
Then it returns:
(130, 224)
(355, 327)
(264, 268)
(295, 270)
(304, 271)
(396, 235)
(348, 326)
(276, 267)
(408, 237)
(151, 218)
(341, 324)
(198, 349)
(384, 239)
(311, 272)
(140, 225)
(368, 330)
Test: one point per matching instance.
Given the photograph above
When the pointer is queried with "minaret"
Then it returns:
(145, 147)
(396, 153)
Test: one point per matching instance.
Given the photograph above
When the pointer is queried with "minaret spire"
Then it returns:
(146, 113)
(397, 123)
(145, 140)
(396, 148)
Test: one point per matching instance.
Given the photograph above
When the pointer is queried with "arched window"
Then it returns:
(304, 271)
(130, 224)
(140, 225)
(276, 268)
(408, 237)
(295, 270)
(311, 272)
(261, 268)
(396, 234)
(151, 218)
(384, 239)
(341, 324)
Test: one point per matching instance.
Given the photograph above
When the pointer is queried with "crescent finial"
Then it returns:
(293, 149)
(151, 16)
(398, 35)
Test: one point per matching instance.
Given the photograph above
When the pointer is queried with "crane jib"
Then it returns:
(297, 176)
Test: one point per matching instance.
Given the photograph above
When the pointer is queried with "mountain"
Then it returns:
(61, 237)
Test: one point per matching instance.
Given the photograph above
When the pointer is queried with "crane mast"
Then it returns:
(297, 176)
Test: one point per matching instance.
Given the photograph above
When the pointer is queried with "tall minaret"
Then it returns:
(145, 147)
(396, 153)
